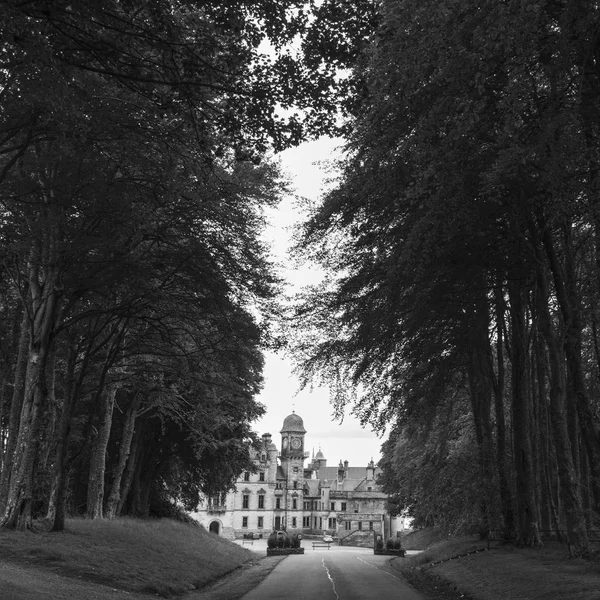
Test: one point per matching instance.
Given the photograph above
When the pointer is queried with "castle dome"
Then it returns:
(293, 423)
(320, 454)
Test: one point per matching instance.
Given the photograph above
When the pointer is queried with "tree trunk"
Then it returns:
(528, 530)
(130, 469)
(56, 505)
(124, 452)
(15, 412)
(95, 496)
(567, 472)
(567, 299)
(480, 374)
(48, 445)
(503, 475)
(44, 305)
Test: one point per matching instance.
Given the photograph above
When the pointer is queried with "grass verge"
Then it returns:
(160, 557)
(460, 568)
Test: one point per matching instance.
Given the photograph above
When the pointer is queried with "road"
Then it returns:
(340, 573)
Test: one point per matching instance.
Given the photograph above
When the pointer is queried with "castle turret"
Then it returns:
(270, 450)
(371, 471)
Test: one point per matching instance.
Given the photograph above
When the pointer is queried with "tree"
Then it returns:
(464, 187)
(131, 189)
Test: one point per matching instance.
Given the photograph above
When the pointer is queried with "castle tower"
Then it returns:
(292, 464)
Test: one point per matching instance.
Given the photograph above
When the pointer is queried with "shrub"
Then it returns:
(389, 544)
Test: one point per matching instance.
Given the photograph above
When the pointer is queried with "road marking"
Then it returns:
(331, 579)
(382, 570)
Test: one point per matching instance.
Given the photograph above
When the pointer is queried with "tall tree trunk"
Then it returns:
(568, 301)
(124, 452)
(7, 379)
(130, 469)
(499, 390)
(56, 506)
(48, 445)
(528, 530)
(44, 306)
(480, 374)
(545, 435)
(15, 411)
(95, 496)
(567, 472)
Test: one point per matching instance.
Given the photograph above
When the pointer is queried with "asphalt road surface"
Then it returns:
(340, 573)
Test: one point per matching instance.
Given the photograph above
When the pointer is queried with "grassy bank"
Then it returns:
(462, 568)
(160, 557)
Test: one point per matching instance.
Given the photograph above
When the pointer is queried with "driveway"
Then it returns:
(340, 573)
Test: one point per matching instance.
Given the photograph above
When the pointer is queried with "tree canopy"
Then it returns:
(136, 294)
(461, 248)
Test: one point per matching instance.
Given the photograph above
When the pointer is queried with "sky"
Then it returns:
(281, 394)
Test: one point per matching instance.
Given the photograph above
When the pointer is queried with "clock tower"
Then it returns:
(292, 466)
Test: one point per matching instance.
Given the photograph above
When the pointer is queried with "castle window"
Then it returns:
(344, 507)
(261, 476)
(333, 506)
(278, 503)
(245, 501)
(246, 476)
(332, 523)
(320, 522)
(295, 485)
(370, 525)
(369, 489)
(263, 457)
(348, 525)
(307, 506)
(261, 501)
(294, 504)
(294, 522)
(245, 522)
(360, 525)
(260, 522)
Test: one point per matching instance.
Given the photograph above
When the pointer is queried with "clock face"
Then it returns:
(296, 443)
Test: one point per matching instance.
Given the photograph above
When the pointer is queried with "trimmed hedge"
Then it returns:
(284, 551)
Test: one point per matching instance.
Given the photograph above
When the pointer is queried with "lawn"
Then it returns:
(454, 568)
(161, 557)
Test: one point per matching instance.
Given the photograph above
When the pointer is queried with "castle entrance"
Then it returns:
(214, 527)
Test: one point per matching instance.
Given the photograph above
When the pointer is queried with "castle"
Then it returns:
(283, 493)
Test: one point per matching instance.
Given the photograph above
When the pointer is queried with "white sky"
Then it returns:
(346, 441)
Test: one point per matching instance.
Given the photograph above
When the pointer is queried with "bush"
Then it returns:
(397, 544)
(389, 544)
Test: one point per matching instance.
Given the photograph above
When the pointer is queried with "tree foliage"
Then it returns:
(136, 293)
(461, 245)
